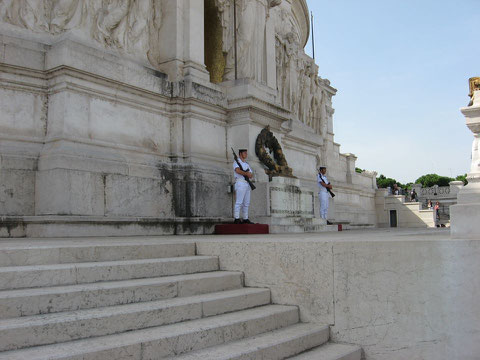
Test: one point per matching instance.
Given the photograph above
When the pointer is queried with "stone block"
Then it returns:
(465, 221)
(136, 196)
(225, 281)
(238, 300)
(405, 299)
(259, 201)
(296, 273)
(69, 192)
(24, 53)
(125, 124)
(17, 192)
(199, 192)
(23, 113)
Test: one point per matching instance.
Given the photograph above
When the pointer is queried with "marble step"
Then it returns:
(168, 340)
(24, 302)
(66, 326)
(23, 253)
(16, 277)
(273, 345)
(331, 351)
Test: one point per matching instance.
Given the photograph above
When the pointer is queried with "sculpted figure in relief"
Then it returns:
(304, 95)
(246, 16)
(129, 25)
(29, 14)
(67, 14)
(291, 75)
(251, 21)
(280, 70)
(54, 16)
(323, 113)
(111, 22)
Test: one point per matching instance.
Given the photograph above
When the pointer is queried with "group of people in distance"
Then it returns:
(242, 172)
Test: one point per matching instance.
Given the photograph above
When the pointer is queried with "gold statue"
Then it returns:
(474, 84)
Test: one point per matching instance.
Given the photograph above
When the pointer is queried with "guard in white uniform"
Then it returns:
(323, 196)
(242, 189)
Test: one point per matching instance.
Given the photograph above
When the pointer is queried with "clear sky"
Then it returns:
(401, 69)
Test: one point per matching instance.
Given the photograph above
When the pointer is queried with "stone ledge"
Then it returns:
(63, 226)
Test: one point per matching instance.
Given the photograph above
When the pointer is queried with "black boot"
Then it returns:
(237, 221)
(246, 221)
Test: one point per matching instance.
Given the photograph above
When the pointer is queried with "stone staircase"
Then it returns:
(142, 298)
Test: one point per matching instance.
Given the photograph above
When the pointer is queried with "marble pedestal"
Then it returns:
(290, 207)
(465, 216)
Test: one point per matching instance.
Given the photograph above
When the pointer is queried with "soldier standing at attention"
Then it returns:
(323, 187)
(242, 188)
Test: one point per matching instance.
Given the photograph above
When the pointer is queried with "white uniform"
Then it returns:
(242, 191)
(323, 196)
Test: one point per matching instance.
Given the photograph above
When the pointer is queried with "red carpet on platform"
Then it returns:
(230, 229)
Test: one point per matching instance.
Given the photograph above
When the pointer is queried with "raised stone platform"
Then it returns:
(397, 293)
(232, 229)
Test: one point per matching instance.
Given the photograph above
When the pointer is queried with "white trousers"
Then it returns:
(242, 199)
(323, 198)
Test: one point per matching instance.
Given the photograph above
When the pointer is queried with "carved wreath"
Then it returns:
(278, 165)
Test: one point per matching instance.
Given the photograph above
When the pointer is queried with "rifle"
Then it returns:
(241, 168)
(328, 183)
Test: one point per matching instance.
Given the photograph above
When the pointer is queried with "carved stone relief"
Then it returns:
(54, 16)
(299, 89)
(251, 22)
(130, 26)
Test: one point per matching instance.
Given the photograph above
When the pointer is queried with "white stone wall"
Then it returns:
(412, 298)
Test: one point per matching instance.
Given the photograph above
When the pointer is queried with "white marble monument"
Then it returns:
(118, 116)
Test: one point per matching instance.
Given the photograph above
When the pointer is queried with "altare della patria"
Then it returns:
(117, 124)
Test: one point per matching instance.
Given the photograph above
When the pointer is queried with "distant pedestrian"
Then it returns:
(413, 195)
(396, 190)
(436, 209)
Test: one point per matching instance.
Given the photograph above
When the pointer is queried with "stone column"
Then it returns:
(181, 39)
(350, 158)
(465, 216)
(193, 41)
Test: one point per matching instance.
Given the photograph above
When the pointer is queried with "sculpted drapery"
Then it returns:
(130, 26)
(251, 22)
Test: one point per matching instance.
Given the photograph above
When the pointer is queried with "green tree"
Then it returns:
(358, 170)
(384, 182)
(429, 180)
(462, 178)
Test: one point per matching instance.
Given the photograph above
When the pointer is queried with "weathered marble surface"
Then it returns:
(410, 298)
(297, 273)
